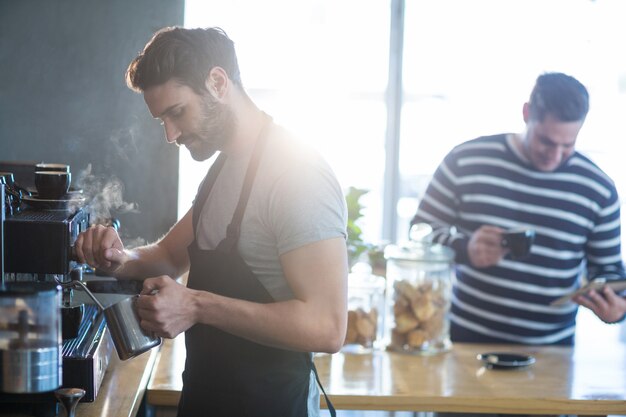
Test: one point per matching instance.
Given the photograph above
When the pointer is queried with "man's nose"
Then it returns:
(171, 132)
(555, 153)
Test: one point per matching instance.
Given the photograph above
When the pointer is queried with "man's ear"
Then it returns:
(217, 82)
(526, 112)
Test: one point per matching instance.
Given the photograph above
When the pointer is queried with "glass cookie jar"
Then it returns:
(366, 310)
(419, 288)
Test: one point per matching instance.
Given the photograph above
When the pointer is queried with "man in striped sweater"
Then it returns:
(532, 180)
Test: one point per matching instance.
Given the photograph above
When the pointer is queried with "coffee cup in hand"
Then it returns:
(52, 185)
(518, 241)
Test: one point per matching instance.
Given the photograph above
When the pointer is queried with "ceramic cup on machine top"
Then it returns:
(52, 185)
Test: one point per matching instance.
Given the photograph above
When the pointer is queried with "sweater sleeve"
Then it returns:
(439, 209)
(603, 248)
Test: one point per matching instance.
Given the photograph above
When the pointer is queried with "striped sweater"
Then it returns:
(575, 212)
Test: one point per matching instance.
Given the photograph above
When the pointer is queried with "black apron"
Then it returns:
(226, 375)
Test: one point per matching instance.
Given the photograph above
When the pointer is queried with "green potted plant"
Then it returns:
(357, 247)
(355, 242)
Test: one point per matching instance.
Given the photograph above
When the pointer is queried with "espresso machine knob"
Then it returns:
(69, 398)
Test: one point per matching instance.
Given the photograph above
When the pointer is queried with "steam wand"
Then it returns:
(75, 284)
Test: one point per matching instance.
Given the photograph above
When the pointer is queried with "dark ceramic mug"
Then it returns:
(52, 185)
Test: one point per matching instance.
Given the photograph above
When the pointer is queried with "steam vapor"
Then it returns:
(103, 196)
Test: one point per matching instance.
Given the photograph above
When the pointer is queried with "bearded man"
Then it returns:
(264, 242)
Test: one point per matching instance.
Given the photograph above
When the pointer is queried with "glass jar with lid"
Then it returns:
(366, 310)
(419, 288)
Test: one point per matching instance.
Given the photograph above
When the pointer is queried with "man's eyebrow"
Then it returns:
(166, 111)
(553, 143)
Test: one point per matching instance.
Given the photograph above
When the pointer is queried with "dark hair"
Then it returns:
(559, 95)
(186, 55)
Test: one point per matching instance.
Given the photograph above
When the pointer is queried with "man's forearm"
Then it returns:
(149, 261)
(294, 324)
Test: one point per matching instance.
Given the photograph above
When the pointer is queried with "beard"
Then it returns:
(216, 128)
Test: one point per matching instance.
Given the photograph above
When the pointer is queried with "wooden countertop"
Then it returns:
(122, 389)
(166, 381)
(562, 381)
(588, 380)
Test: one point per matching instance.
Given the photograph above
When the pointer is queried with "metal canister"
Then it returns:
(30, 337)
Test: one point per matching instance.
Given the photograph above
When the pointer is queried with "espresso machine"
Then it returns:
(48, 339)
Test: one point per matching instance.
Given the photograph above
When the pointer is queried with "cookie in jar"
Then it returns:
(366, 299)
(419, 287)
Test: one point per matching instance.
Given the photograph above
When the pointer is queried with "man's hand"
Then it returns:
(607, 305)
(166, 307)
(485, 247)
(100, 247)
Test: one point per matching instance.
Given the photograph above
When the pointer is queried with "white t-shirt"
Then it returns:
(295, 200)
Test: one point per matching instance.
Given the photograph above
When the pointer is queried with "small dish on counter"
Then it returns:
(505, 360)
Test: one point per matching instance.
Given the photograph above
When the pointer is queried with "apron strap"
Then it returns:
(234, 228)
(331, 407)
(205, 190)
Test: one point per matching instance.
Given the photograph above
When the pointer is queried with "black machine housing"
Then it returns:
(40, 241)
(37, 244)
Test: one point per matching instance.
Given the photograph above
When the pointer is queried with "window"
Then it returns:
(321, 72)
(321, 69)
(470, 65)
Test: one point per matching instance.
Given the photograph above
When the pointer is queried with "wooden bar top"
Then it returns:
(561, 381)
(586, 380)
(122, 389)
(166, 381)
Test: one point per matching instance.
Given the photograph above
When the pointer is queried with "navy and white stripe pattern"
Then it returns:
(575, 212)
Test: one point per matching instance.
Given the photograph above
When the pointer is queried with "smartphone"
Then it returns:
(617, 285)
